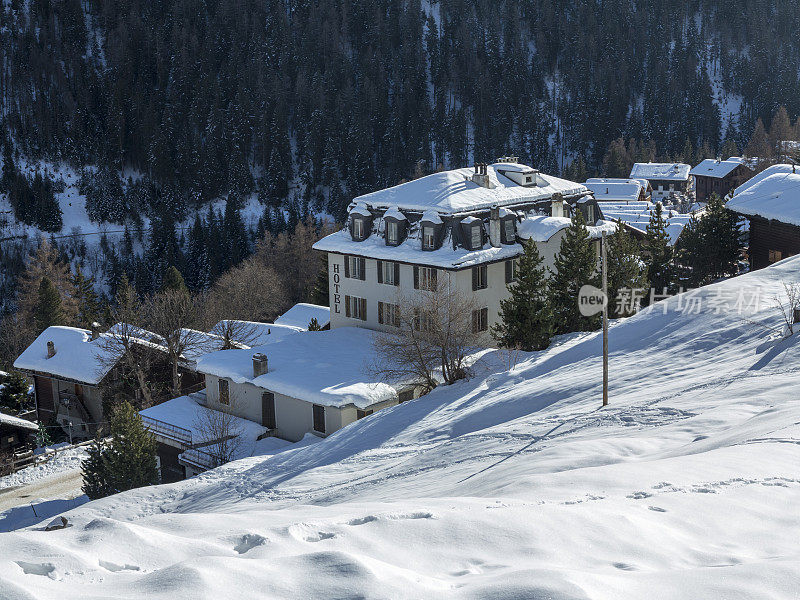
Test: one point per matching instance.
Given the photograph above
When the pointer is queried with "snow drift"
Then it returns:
(515, 484)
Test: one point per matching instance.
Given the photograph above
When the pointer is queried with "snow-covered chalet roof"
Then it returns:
(716, 168)
(263, 333)
(77, 356)
(615, 191)
(637, 216)
(300, 315)
(661, 171)
(772, 194)
(451, 192)
(324, 367)
(17, 422)
(540, 228)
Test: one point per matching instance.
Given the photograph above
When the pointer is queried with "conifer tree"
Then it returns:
(125, 462)
(48, 309)
(320, 293)
(660, 270)
(626, 271)
(710, 245)
(526, 317)
(173, 281)
(88, 302)
(575, 266)
(14, 393)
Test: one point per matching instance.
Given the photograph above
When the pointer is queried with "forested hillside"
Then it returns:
(325, 99)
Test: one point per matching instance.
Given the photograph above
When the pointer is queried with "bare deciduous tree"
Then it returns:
(249, 291)
(787, 304)
(434, 338)
(235, 334)
(221, 427)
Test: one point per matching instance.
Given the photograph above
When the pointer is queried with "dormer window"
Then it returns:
(392, 233)
(358, 228)
(509, 230)
(475, 240)
(528, 178)
(428, 238)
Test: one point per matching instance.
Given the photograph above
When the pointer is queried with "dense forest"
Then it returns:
(320, 100)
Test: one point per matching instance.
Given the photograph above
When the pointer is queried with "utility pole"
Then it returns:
(604, 255)
(70, 433)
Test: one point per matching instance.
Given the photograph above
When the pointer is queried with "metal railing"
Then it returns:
(198, 458)
(173, 432)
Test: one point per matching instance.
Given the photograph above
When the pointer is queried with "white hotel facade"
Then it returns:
(465, 224)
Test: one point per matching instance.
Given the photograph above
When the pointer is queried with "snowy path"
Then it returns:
(50, 495)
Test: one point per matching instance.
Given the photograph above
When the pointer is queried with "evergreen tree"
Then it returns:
(9, 168)
(313, 325)
(320, 293)
(660, 270)
(88, 302)
(173, 281)
(14, 393)
(575, 266)
(626, 272)
(125, 462)
(43, 438)
(710, 245)
(48, 309)
(526, 317)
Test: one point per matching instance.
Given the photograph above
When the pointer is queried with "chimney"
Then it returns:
(494, 227)
(796, 315)
(260, 364)
(95, 330)
(557, 206)
(480, 176)
(51, 349)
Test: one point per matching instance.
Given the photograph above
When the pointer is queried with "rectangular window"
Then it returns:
(510, 233)
(511, 270)
(388, 314)
(423, 321)
(428, 241)
(477, 238)
(358, 229)
(355, 308)
(224, 395)
(387, 270)
(425, 278)
(775, 255)
(405, 396)
(319, 418)
(360, 414)
(480, 320)
(355, 267)
(268, 410)
(392, 233)
(480, 277)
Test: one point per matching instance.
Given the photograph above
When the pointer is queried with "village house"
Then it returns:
(635, 216)
(619, 190)
(16, 435)
(714, 176)
(771, 203)
(463, 224)
(667, 179)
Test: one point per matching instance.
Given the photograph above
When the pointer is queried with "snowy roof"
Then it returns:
(300, 315)
(637, 216)
(716, 168)
(360, 209)
(77, 356)
(187, 412)
(541, 228)
(394, 213)
(324, 367)
(661, 171)
(260, 334)
(604, 192)
(410, 251)
(772, 194)
(432, 216)
(453, 191)
(17, 422)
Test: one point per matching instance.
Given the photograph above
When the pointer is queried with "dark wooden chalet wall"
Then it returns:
(768, 235)
(705, 185)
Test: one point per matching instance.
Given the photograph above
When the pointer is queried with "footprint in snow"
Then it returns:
(624, 566)
(657, 508)
(43, 569)
(639, 495)
(249, 541)
(362, 520)
(115, 568)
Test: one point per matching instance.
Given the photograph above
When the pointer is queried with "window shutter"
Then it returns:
(509, 271)
(416, 277)
(474, 278)
(433, 279)
(380, 272)
(347, 306)
(363, 309)
(474, 321)
(347, 266)
(380, 313)
(362, 263)
(397, 273)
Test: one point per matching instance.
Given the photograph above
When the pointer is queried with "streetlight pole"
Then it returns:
(605, 318)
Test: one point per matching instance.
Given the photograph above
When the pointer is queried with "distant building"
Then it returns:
(463, 224)
(719, 177)
(771, 202)
(16, 434)
(300, 315)
(667, 179)
(636, 216)
(619, 190)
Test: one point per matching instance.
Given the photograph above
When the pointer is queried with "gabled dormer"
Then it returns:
(396, 226)
(431, 228)
(473, 233)
(360, 223)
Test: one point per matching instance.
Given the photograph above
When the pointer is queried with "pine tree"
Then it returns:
(126, 462)
(9, 168)
(575, 266)
(660, 270)
(710, 245)
(48, 309)
(88, 302)
(173, 281)
(14, 393)
(313, 325)
(626, 271)
(320, 293)
(526, 317)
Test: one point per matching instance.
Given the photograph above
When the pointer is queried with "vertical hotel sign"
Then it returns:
(337, 297)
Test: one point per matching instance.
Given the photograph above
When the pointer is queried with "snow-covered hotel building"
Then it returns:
(466, 224)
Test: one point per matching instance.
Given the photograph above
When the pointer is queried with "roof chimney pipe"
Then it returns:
(260, 364)
(95, 330)
(51, 349)
(494, 226)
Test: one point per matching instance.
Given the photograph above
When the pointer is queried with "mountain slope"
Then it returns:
(513, 484)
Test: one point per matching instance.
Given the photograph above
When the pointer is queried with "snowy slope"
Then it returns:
(511, 485)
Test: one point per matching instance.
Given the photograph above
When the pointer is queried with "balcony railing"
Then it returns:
(167, 430)
(198, 458)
